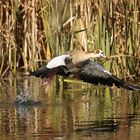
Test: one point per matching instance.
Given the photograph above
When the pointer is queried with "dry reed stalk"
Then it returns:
(80, 24)
(25, 42)
(34, 30)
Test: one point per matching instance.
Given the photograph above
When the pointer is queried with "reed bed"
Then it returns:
(32, 32)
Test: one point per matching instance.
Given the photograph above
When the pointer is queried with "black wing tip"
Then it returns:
(42, 72)
(120, 83)
(132, 87)
(32, 73)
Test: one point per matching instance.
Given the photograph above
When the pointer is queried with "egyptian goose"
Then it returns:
(78, 64)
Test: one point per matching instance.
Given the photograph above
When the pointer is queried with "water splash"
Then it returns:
(25, 98)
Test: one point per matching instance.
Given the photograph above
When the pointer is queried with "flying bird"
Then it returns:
(79, 64)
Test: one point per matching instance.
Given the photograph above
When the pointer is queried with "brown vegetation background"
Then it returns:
(34, 31)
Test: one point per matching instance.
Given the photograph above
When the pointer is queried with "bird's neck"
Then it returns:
(92, 55)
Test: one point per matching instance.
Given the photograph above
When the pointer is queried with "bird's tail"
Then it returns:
(120, 83)
(42, 72)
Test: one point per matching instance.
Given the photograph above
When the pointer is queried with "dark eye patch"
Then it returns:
(97, 51)
(68, 60)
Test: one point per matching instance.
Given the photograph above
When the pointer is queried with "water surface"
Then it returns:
(67, 111)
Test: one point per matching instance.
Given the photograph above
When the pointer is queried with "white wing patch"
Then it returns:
(107, 72)
(57, 61)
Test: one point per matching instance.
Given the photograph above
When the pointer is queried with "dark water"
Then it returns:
(67, 111)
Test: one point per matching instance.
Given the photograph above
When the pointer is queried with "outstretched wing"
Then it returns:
(95, 73)
(58, 65)
(42, 72)
(46, 72)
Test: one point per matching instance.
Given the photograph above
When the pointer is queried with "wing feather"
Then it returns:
(96, 74)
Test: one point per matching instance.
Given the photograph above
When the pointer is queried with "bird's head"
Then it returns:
(100, 53)
(97, 54)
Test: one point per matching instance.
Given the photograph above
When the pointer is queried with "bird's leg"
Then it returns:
(48, 81)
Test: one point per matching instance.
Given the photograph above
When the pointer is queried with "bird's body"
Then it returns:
(76, 57)
(78, 64)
